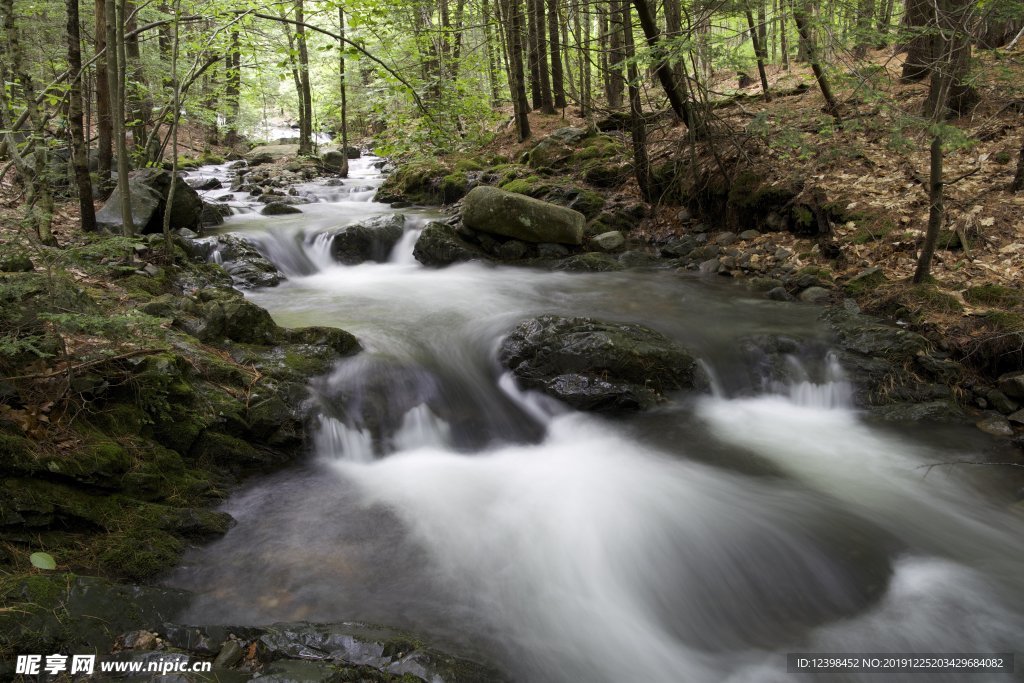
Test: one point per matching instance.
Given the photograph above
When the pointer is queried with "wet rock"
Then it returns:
(593, 262)
(550, 250)
(1012, 384)
(512, 250)
(640, 259)
(996, 425)
(815, 295)
(440, 245)
(277, 208)
(230, 655)
(711, 266)
(596, 365)
(508, 214)
(205, 184)
(247, 267)
(370, 240)
(748, 235)
(333, 161)
(914, 411)
(680, 248)
(214, 214)
(608, 241)
(1000, 402)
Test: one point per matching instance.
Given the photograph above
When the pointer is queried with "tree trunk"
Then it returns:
(139, 104)
(936, 212)
(557, 78)
(948, 91)
(513, 17)
(79, 145)
(805, 38)
(306, 122)
(104, 122)
(343, 171)
(176, 104)
(616, 30)
(115, 49)
(547, 104)
(759, 52)
(492, 65)
(884, 24)
(637, 125)
(1018, 180)
(677, 96)
(831, 106)
(232, 88)
(918, 25)
(865, 16)
(533, 54)
(783, 37)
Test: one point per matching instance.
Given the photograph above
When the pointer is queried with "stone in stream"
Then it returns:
(148, 189)
(370, 240)
(204, 184)
(608, 241)
(279, 209)
(495, 211)
(440, 245)
(597, 365)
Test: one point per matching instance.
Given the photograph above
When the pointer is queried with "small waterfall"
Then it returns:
(833, 391)
(335, 440)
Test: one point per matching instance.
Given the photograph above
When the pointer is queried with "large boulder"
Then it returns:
(371, 240)
(440, 245)
(148, 190)
(596, 365)
(243, 261)
(495, 211)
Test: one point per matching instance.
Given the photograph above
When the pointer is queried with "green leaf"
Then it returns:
(42, 561)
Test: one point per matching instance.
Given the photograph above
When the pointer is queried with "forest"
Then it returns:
(511, 340)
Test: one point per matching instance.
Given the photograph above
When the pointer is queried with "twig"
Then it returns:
(86, 364)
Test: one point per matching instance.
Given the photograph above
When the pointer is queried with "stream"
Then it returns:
(701, 541)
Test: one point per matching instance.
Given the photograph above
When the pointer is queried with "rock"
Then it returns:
(495, 211)
(996, 425)
(149, 188)
(608, 241)
(551, 250)
(593, 262)
(865, 280)
(214, 214)
(440, 245)
(370, 240)
(333, 160)
(1017, 417)
(700, 227)
(15, 263)
(267, 154)
(780, 294)
(1000, 402)
(815, 295)
(913, 411)
(244, 263)
(512, 250)
(1012, 384)
(680, 248)
(640, 259)
(725, 239)
(749, 235)
(684, 215)
(279, 209)
(205, 184)
(557, 148)
(596, 365)
(230, 655)
(712, 265)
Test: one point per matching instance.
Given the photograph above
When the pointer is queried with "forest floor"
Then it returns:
(874, 168)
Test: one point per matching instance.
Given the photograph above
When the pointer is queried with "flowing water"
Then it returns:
(698, 542)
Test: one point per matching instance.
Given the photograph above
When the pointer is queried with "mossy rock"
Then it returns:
(454, 187)
(15, 262)
(994, 295)
(418, 182)
(233, 454)
(865, 281)
(139, 554)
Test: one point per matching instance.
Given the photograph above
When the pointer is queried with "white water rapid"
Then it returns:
(699, 542)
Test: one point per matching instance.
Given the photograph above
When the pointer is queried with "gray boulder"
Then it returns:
(148, 189)
(608, 241)
(371, 240)
(596, 365)
(279, 209)
(245, 264)
(440, 245)
(495, 211)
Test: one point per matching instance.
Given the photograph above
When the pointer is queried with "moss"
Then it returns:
(994, 295)
(598, 147)
(587, 202)
(872, 233)
(229, 452)
(1002, 157)
(139, 554)
(454, 187)
(818, 272)
(467, 164)
(931, 299)
(531, 186)
(1004, 321)
(864, 283)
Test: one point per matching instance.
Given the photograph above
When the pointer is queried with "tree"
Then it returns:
(305, 94)
(79, 144)
(343, 171)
